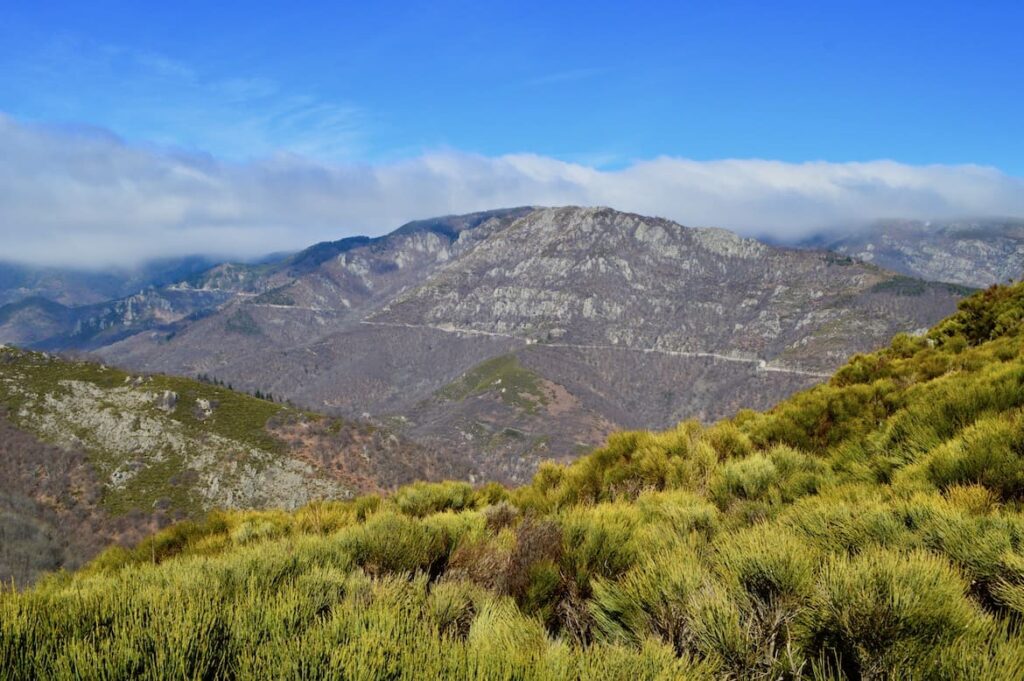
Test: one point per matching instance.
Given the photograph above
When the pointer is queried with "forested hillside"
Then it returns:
(867, 528)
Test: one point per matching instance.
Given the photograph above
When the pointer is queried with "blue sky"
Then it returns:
(593, 82)
(135, 130)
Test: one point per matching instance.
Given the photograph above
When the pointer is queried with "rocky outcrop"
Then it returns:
(597, 277)
(204, 409)
(146, 452)
(167, 400)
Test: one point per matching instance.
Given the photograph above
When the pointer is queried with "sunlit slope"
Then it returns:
(157, 441)
(867, 528)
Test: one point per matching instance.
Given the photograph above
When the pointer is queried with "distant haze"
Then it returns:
(83, 197)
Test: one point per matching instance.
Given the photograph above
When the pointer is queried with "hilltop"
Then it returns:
(868, 528)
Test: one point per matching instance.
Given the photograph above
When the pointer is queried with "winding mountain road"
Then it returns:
(761, 365)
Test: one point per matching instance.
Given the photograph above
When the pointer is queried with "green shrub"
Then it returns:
(389, 543)
(750, 478)
(260, 527)
(451, 607)
(679, 512)
(652, 597)
(880, 609)
(423, 498)
(164, 544)
(714, 621)
(728, 441)
(840, 526)
(599, 542)
(942, 408)
(766, 563)
(989, 453)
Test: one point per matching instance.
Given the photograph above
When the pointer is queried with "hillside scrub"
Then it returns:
(868, 528)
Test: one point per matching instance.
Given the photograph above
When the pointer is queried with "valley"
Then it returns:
(467, 347)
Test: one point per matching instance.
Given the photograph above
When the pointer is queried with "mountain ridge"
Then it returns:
(973, 252)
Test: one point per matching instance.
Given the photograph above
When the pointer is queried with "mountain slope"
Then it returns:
(867, 528)
(648, 283)
(44, 324)
(90, 455)
(33, 319)
(302, 280)
(50, 511)
(587, 300)
(74, 288)
(974, 253)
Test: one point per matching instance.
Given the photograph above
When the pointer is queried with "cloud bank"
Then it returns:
(82, 197)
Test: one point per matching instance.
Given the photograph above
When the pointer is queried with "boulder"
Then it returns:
(167, 400)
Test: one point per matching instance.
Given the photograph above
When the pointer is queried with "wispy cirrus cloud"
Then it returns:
(84, 197)
(151, 97)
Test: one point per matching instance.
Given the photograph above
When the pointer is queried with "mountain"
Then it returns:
(60, 309)
(66, 309)
(509, 337)
(867, 528)
(91, 455)
(44, 324)
(975, 253)
(162, 295)
(34, 319)
(74, 287)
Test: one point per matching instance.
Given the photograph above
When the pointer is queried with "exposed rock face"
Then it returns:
(42, 323)
(974, 253)
(583, 299)
(167, 400)
(90, 455)
(311, 280)
(204, 409)
(135, 439)
(603, 278)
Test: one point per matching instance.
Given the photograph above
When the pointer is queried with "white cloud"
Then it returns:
(83, 197)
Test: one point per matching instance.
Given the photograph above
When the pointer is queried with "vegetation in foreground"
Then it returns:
(868, 528)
